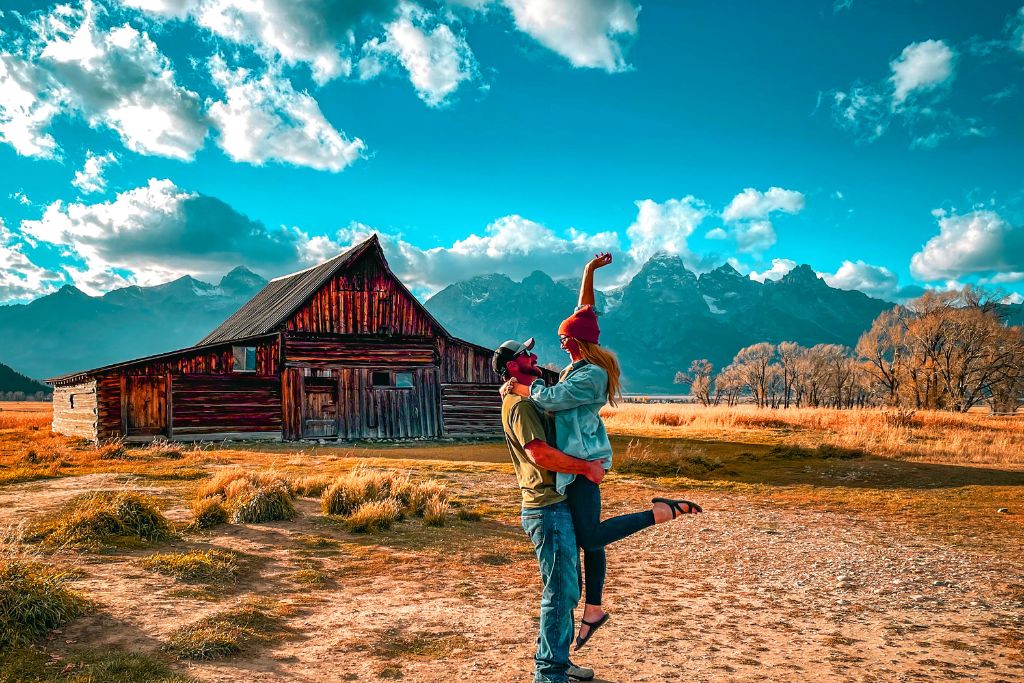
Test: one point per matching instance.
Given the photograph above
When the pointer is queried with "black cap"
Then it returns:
(508, 351)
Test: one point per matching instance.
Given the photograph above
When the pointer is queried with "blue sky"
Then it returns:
(880, 142)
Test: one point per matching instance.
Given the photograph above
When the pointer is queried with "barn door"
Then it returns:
(145, 406)
(319, 407)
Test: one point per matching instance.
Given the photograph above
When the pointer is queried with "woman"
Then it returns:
(591, 381)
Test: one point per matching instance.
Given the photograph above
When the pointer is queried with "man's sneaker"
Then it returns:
(578, 673)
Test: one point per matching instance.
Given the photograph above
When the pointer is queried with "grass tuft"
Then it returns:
(311, 486)
(435, 512)
(362, 485)
(228, 632)
(376, 515)
(86, 666)
(196, 566)
(208, 512)
(34, 600)
(251, 496)
(106, 518)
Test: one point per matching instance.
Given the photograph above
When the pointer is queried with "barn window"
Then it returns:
(245, 358)
(403, 380)
(71, 398)
(391, 380)
(381, 379)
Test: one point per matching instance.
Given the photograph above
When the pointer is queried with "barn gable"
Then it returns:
(352, 293)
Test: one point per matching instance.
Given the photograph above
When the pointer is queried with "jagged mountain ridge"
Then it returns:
(70, 330)
(664, 317)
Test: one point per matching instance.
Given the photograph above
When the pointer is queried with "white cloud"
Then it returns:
(159, 232)
(780, 266)
(1016, 27)
(716, 234)
(436, 58)
(28, 102)
(753, 203)
(119, 79)
(512, 245)
(90, 178)
(979, 242)
(910, 98)
(586, 32)
(876, 281)
(317, 33)
(664, 227)
(921, 66)
(1003, 278)
(20, 278)
(265, 119)
(754, 237)
(21, 198)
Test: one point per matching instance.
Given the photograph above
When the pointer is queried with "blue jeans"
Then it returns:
(554, 540)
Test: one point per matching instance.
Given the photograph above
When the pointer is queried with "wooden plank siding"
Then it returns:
(464, 362)
(471, 409)
(363, 299)
(76, 410)
(216, 404)
(320, 350)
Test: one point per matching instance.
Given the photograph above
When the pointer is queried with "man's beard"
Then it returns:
(533, 371)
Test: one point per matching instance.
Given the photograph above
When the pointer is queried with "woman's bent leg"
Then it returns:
(585, 496)
(585, 505)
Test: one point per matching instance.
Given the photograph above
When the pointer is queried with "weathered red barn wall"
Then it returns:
(469, 390)
(227, 400)
(364, 299)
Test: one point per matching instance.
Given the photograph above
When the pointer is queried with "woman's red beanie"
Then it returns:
(581, 325)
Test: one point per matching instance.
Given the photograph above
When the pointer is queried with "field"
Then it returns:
(834, 546)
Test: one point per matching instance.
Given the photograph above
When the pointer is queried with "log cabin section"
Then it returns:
(342, 350)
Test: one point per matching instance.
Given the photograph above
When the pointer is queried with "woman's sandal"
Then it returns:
(593, 626)
(676, 505)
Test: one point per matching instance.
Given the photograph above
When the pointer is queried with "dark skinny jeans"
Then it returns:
(592, 535)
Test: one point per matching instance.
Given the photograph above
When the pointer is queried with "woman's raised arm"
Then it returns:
(587, 286)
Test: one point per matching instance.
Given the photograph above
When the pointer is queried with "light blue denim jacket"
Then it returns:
(576, 401)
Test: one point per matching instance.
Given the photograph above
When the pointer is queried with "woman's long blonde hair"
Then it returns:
(606, 360)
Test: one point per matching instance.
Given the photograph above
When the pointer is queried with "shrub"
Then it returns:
(113, 518)
(208, 512)
(225, 633)
(34, 600)
(251, 496)
(197, 566)
(423, 493)
(376, 515)
(112, 450)
(311, 486)
(435, 511)
(360, 485)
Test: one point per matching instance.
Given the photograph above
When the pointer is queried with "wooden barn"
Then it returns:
(338, 351)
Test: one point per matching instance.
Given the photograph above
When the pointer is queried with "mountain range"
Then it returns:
(663, 318)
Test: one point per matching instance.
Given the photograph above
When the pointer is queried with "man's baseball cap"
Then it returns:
(507, 351)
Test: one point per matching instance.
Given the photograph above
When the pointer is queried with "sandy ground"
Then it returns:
(757, 588)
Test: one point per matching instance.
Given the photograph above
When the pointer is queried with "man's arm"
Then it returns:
(550, 458)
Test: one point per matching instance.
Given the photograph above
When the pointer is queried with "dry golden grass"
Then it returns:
(250, 496)
(374, 515)
(254, 621)
(34, 600)
(105, 518)
(955, 438)
(196, 566)
(208, 512)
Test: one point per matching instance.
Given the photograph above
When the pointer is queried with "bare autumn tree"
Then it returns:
(698, 378)
(752, 363)
(884, 349)
(728, 385)
(789, 359)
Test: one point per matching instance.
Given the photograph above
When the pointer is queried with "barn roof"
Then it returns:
(273, 304)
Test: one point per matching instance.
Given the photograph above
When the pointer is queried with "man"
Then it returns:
(546, 518)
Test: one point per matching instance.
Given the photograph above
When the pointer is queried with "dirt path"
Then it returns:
(754, 589)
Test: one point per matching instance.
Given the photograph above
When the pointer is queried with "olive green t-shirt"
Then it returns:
(523, 422)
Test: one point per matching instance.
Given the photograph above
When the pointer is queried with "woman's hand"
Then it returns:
(599, 261)
(507, 387)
